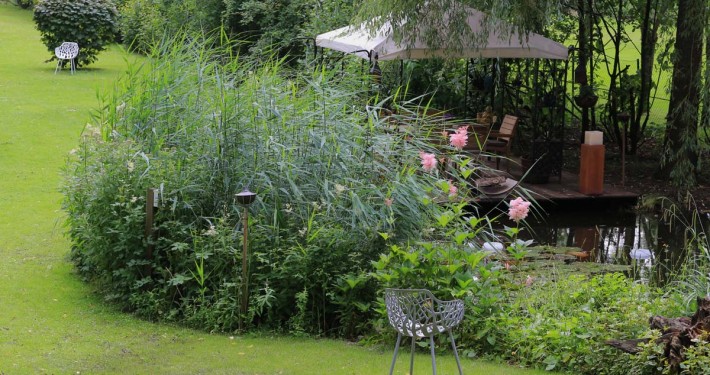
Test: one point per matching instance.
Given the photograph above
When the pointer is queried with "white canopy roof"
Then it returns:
(358, 41)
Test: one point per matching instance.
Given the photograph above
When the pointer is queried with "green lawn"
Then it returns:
(49, 320)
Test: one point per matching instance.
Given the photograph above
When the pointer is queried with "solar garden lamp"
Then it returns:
(245, 198)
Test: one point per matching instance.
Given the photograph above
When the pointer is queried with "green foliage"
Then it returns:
(24, 4)
(201, 124)
(697, 358)
(46, 309)
(450, 266)
(564, 322)
(141, 24)
(93, 24)
(274, 26)
(144, 23)
(424, 18)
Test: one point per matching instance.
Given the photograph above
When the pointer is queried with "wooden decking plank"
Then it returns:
(563, 189)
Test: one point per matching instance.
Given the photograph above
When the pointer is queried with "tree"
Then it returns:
(679, 159)
(654, 17)
(705, 118)
(90, 23)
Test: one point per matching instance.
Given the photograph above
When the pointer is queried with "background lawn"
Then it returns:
(49, 320)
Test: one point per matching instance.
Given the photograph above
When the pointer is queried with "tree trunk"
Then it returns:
(705, 118)
(679, 161)
(649, 38)
(583, 57)
(677, 334)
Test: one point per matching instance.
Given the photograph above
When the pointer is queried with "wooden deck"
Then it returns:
(565, 191)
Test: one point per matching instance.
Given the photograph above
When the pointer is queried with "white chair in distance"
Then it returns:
(67, 51)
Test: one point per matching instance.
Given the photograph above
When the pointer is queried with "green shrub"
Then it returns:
(142, 24)
(24, 4)
(563, 323)
(90, 23)
(446, 263)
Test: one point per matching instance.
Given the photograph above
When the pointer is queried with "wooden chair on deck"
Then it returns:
(499, 142)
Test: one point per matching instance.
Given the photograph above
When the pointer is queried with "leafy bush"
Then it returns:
(563, 323)
(90, 23)
(24, 4)
(201, 125)
(450, 270)
(144, 23)
(141, 24)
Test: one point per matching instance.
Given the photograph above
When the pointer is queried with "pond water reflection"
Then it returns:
(615, 237)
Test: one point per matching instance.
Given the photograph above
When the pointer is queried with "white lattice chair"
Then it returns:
(67, 51)
(418, 314)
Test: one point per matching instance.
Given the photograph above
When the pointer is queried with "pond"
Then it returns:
(651, 247)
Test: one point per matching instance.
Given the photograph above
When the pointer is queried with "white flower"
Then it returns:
(288, 208)
(91, 131)
(131, 166)
(339, 189)
(134, 199)
(303, 231)
(210, 232)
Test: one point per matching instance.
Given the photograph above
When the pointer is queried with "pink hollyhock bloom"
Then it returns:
(459, 138)
(518, 209)
(453, 190)
(428, 161)
(388, 202)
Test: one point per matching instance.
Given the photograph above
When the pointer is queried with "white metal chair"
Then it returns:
(67, 51)
(417, 313)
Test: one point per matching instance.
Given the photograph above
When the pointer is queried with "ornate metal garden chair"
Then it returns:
(417, 313)
(67, 51)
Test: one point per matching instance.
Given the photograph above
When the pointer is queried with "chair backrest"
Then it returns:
(416, 312)
(68, 50)
(507, 127)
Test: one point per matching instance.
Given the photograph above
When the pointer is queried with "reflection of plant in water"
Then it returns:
(685, 219)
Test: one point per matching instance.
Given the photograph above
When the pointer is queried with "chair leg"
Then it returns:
(411, 358)
(59, 61)
(396, 349)
(433, 356)
(73, 66)
(456, 353)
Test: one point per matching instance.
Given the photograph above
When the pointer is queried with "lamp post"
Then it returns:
(245, 198)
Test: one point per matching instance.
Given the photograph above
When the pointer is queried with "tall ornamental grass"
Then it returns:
(200, 124)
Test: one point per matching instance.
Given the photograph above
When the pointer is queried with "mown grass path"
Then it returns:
(49, 320)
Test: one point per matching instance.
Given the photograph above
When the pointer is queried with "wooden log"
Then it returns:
(677, 334)
(627, 346)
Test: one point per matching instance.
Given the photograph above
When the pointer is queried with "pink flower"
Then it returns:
(453, 190)
(459, 138)
(518, 209)
(428, 161)
(388, 202)
(529, 280)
